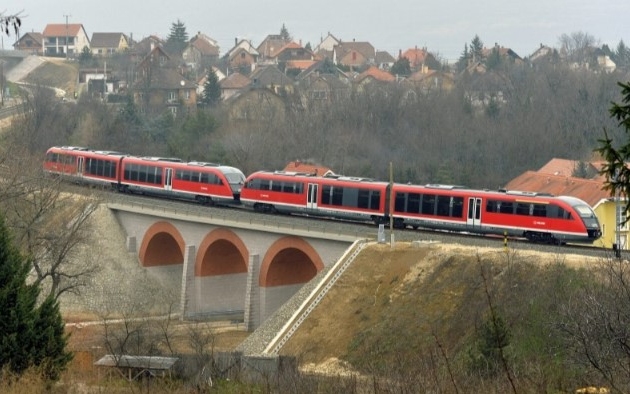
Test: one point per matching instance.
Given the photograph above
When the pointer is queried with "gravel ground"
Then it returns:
(119, 284)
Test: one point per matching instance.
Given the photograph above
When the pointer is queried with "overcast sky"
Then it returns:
(442, 26)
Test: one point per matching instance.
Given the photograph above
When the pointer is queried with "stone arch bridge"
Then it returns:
(228, 268)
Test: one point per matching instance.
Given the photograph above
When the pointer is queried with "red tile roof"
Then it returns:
(298, 166)
(589, 190)
(377, 74)
(61, 29)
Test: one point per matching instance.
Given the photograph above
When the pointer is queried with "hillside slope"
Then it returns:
(394, 304)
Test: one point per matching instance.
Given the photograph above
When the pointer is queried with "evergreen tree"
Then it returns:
(462, 63)
(284, 33)
(476, 49)
(211, 90)
(622, 55)
(178, 38)
(86, 58)
(401, 67)
(615, 168)
(30, 335)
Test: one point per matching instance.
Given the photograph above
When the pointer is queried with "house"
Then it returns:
(354, 54)
(504, 53)
(159, 86)
(299, 166)
(32, 43)
(107, 44)
(255, 106)
(272, 78)
(384, 60)
(544, 54)
(327, 44)
(556, 177)
(270, 46)
(233, 84)
(431, 80)
(371, 75)
(201, 51)
(293, 56)
(323, 81)
(147, 44)
(64, 39)
(418, 58)
(242, 57)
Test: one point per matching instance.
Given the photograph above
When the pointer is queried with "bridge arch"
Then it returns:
(162, 245)
(221, 252)
(289, 260)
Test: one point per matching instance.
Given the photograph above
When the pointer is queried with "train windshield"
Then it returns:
(234, 176)
(585, 211)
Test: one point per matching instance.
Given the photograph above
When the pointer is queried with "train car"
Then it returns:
(332, 196)
(537, 217)
(84, 165)
(206, 183)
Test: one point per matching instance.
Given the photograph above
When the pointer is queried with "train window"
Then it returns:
(363, 199)
(289, 187)
(522, 208)
(443, 205)
(413, 203)
(457, 204)
(399, 202)
(349, 197)
(203, 178)
(540, 210)
(265, 184)
(506, 207)
(375, 203)
(253, 184)
(337, 196)
(326, 194)
(276, 186)
(428, 204)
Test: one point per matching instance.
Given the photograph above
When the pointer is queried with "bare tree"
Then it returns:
(575, 45)
(49, 225)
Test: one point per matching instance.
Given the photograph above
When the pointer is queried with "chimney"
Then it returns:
(235, 41)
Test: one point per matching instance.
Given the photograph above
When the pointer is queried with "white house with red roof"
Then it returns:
(64, 39)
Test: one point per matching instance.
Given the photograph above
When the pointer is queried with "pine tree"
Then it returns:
(476, 49)
(284, 33)
(211, 90)
(178, 38)
(30, 336)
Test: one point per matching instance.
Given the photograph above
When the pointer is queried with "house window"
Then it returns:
(354, 56)
(172, 96)
(173, 110)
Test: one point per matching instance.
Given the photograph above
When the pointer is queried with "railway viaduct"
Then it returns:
(229, 267)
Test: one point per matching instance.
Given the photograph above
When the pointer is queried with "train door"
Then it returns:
(474, 211)
(80, 161)
(168, 179)
(311, 197)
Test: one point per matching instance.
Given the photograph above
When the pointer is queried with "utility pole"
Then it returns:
(67, 16)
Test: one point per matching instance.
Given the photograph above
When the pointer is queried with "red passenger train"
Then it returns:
(169, 177)
(536, 217)
(539, 218)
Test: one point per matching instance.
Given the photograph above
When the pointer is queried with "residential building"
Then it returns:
(256, 106)
(107, 44)
(299, 166)
(272, 78)
(242, 57)
(201, 52)
(354, 54)
(159, 86)
(32, 43)
(64, 39)
(233, 84)
(270, 46)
